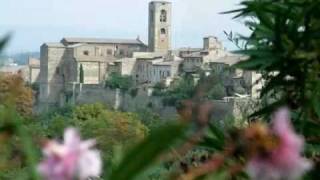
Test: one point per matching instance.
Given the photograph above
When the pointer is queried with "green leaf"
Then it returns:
(212, 143)
(15, 124)
(251, 64)
(255, 52)
(143, 155)
(3, 42)
(268, 109)
(233, 11)
(214, 138)
(316, 106)
(312, 149)
(216, 131)
(275, 82)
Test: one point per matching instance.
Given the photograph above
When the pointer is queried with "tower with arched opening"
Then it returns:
(159, 26)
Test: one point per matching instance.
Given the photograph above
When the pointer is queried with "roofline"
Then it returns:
(64, 39)
(167, 2)
(47, 44)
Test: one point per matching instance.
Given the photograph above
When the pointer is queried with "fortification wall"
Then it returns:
(125, 101)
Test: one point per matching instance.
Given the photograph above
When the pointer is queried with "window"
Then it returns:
(109, 51)
(57, 70)
(163, 16)
(86, 53)
(163, 31)
(121, 52)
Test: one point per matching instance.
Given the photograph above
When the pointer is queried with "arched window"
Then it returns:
(163, 16)
(163, 31)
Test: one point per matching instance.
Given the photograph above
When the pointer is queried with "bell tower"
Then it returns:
(159, 26)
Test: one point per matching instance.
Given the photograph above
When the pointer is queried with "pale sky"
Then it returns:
(33, 22)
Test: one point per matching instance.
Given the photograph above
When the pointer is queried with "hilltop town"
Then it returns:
(76, 70)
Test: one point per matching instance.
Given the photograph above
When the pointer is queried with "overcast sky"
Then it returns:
(34, 22)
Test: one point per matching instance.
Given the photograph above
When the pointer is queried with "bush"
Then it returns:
(217, 92)
(116, 81)
(13, 91)
(110, 128)
(158, 89)
(134, 92)
(285, 39)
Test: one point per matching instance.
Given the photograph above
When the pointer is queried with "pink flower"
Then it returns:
(69, 160)
(285, 161)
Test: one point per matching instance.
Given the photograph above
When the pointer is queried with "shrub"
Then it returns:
(116, 81)
(13, 91)
(134, 92)
(217, 92)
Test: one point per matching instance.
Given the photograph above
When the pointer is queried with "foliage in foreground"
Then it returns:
(14, 91)
(113, 131)
(284, 46)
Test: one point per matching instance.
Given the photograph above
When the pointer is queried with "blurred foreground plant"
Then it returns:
(72, 159)
(13, 91)
(16, 146)
(264, 152)
(284, 46)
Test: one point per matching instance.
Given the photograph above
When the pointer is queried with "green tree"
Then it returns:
(81, 74)
(218, 91)
(110, 128)
(13, 91)
(118, 81)
(158, 89)
(180, 90)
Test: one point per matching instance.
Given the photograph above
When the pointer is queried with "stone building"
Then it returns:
(34, 70)
(153, 69)
(148, 67)
(159, 26)
(61, 62)
(196, 58)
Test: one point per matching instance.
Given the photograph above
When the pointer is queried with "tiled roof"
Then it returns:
(94, 59)
(231, 59)
(102, 41)
(195, 54)
(190, 49)
(54, 44)
(160, 2)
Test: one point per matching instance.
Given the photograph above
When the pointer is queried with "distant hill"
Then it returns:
(22, 58)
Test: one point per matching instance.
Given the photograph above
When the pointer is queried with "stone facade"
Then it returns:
(198, 58)
(148, 67)
(34, 70)
(114, 98)
(62, 63)
(159, 26)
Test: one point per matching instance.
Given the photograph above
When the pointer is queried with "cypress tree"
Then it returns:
(81, 74)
